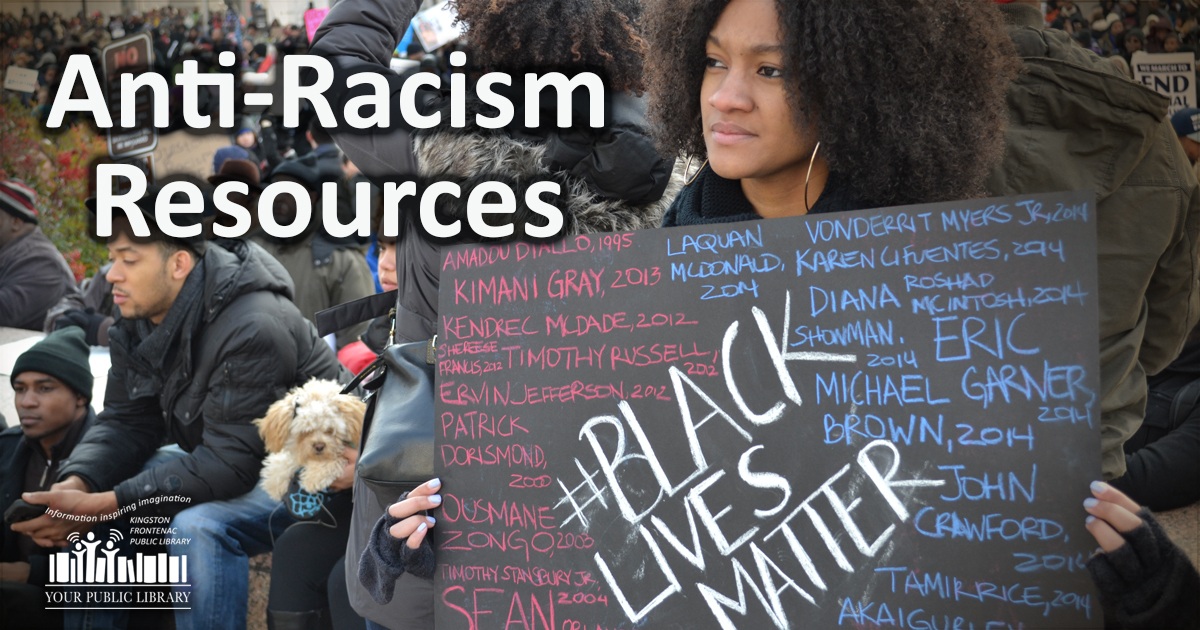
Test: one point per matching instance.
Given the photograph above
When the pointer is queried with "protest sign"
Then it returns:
(313, 19)
(20, 79)
(876, 418)
(132, 55)
(435, 27)
(1171, 74)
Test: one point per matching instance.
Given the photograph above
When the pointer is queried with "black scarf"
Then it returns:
(159, 345)
(711, 198)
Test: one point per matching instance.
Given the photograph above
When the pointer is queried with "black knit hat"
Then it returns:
(63, 354)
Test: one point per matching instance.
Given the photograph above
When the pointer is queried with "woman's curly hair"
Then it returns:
(907, 96)
(598, 36)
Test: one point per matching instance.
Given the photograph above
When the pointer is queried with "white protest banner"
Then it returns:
(1173, 75)
(20, 79)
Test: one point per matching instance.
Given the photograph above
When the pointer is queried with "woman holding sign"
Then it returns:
(814, 107)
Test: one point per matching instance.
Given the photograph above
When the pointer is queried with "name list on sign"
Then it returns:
(867, 419)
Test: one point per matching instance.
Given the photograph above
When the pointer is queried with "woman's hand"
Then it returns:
(346, 480)
(413, 525)
(1111, 514)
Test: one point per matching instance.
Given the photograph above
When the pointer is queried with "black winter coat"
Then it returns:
(14, 458)
(250, 347)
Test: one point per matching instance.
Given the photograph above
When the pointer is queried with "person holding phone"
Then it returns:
(52, 383)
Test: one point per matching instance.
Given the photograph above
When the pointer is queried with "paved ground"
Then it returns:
(183, 152)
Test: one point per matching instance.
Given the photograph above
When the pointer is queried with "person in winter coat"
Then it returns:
(53, 386)
(207, 339)
(612, 178)
(1147, 208)
(33, 274)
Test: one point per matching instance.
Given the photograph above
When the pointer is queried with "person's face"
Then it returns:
(387, 266)
(1117, 28)
(45, 406)
(749, 127)
(246, 139)
(1191, 148)
(1133, 44)
(11, 228)
(1171, 44)
(145, 278)
(284, 207)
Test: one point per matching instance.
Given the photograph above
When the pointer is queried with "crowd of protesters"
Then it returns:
(257, 292)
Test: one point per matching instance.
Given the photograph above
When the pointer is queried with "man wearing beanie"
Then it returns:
(33, 274)
(206, 338)
(53, 386)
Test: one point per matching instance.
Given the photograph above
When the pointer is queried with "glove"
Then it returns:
(87, 319)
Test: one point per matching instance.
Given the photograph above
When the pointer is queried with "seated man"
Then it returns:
(207, 339)
(52, 382)
(33, 274)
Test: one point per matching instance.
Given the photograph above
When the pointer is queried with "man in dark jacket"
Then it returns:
(33, 274)
(207, 339)
(52, 382)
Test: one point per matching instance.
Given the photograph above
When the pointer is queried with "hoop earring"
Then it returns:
(688, 166)
(809, 176)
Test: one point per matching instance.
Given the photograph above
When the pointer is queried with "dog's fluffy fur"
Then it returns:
(307, 430)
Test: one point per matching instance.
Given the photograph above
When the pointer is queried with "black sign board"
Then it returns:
(132, 55)
(868, 419)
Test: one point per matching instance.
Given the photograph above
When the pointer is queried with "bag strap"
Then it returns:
(355, 311)
(430, 359)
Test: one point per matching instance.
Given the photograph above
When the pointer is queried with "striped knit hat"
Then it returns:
(19, 200)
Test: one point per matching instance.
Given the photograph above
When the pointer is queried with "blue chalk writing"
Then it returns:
(949, 282)
(953, 588)
(1061, 382)
(861, 388)
(965, 220)
(736, 266)
(853, 228)
(1019, 298)
(934, 524)
(714, 292)
(993, 436)
(1038, 213)
(862, 299)
(1001, 487)
(826, 261)
(845, 429)
(968, 333)
(1034, 562)
(865, 332)
(749, 238)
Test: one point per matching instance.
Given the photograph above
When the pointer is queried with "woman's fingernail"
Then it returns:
(1100, 487)
(434, 483)
(1090, 503)
(1089, 519)
(435, 499)
(422, 527)
(432, 521)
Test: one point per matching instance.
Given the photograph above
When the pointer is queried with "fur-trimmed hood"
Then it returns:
(612, 178)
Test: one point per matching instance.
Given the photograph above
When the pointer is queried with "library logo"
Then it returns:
(103, 573)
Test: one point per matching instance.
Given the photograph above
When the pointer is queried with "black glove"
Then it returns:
(87, 319)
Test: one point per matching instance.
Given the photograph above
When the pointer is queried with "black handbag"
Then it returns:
(396, 451)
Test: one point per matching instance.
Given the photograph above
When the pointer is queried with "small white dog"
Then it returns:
(307, 430)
